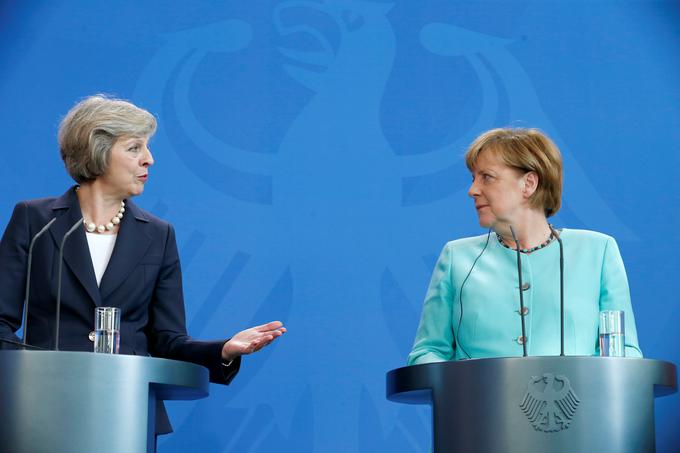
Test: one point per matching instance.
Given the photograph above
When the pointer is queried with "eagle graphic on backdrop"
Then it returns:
(549, 402)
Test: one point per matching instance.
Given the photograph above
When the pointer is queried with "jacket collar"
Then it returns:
(134, 239)
(131, 245)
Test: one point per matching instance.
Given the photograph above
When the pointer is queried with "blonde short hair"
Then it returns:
(92, 126)
(525, 150)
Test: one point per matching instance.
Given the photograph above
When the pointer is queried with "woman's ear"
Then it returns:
(530, 184)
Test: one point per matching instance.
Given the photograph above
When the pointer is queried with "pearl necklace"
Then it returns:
(91, 227)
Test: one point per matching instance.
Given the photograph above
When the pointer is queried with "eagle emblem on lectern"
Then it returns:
(549, 403)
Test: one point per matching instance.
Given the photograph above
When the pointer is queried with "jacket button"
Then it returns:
(521, 340)
(525, 286)
(523, 311)
(91, 336)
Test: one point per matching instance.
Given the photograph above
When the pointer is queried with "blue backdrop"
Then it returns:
(309, 156)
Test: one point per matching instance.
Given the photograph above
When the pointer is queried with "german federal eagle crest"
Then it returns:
(549, 403)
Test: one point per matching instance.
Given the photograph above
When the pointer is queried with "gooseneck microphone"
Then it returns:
(61, 265)
(559, 241)
(460, 297)
(42, 231)
(521, 291)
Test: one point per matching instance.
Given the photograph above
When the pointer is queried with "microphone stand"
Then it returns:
(28, 276)
(559, 241)
(61, 265)
(22, 344)
(521, 295)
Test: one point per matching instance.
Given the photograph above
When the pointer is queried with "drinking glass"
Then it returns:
(107, 330)
(612, 334)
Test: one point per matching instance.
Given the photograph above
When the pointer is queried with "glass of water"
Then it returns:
(612, 334)
(107, 330)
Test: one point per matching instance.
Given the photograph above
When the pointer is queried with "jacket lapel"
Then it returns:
(132, 243)
(76, 251)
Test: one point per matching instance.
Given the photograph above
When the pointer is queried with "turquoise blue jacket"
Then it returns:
(483, 320)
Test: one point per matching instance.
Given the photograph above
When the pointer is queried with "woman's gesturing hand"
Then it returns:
(252, 340)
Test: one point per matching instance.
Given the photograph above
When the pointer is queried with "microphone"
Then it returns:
(521, 295)
(559, 241)
(460, 296)
(28, 276)
(61, 265)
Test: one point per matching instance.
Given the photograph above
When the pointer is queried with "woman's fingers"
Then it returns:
(253, 339)
(273, 325)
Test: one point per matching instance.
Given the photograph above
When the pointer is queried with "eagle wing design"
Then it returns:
(533, 401)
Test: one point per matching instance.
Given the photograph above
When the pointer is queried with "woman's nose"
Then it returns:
(147, 159)
(473, 191)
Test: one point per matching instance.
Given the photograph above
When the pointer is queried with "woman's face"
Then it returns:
(128, 168)
(499, 191)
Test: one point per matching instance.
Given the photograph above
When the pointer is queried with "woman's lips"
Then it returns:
(143, 178)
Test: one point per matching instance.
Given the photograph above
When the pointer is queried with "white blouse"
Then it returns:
(101, 247)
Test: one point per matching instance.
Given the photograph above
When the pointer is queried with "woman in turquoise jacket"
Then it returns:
(472, 307)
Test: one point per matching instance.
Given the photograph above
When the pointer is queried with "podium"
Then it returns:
(79, 401)
(525, 404)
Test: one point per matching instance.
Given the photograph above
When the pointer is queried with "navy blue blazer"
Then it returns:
(143, 278)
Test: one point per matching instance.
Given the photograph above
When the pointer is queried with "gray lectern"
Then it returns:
(84, 402)
(551, 404)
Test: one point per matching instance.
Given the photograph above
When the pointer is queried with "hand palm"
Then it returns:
(252, 340)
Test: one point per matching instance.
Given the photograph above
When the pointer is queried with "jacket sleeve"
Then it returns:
(615, 295)
(167, 332)
(434, 339)
(13, 255)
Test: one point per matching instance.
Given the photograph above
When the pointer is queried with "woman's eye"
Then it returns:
(133, 148)
(485, 177)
